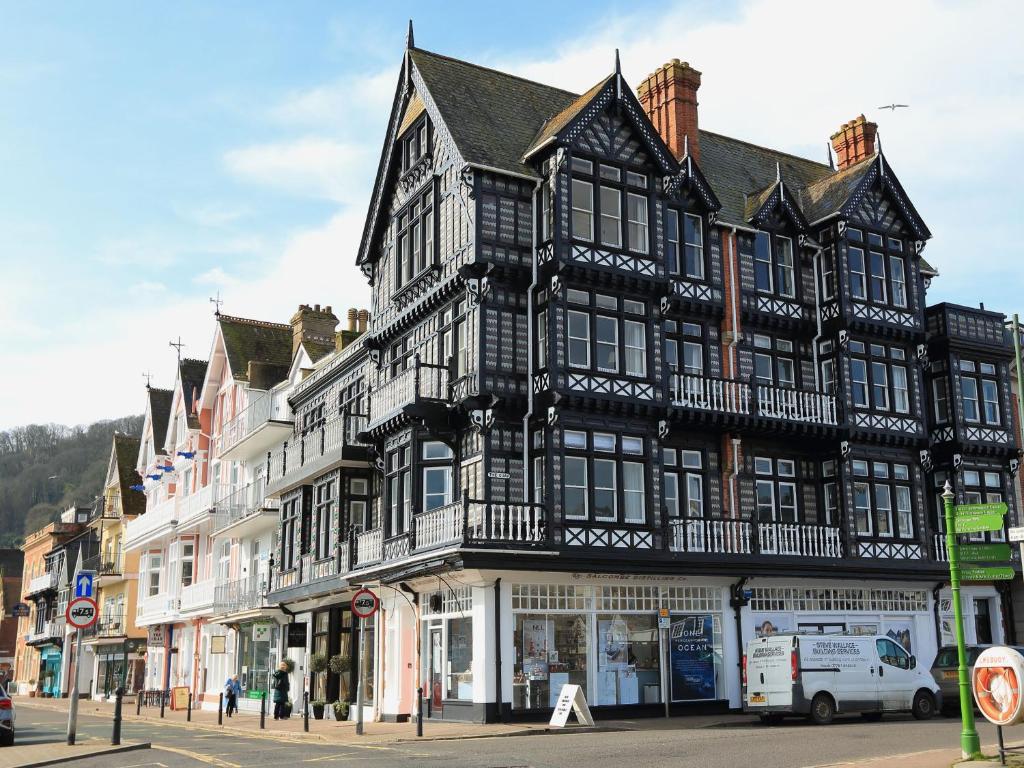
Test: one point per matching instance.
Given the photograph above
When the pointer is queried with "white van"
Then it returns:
(819, 675)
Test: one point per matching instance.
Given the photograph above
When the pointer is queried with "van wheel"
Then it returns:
(871, 717)
(924, 705)
(823, 709)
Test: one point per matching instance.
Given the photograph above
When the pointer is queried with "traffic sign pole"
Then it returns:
(73, 704)
(362, 676)
(970, 743)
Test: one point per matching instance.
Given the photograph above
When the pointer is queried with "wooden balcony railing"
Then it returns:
(708, 393)
(800, 539)
(420, 381)
(731, 537)
(796, 405)
(325, 440)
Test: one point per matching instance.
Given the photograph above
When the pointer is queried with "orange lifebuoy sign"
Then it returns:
(364, 604)
(996, 683)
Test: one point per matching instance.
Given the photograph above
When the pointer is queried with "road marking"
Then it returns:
(334, 757)
(196, 756)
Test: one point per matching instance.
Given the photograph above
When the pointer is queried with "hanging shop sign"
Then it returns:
(692, 657)
(218, 644)
(995, 682)
(297, 634)
(156, 636)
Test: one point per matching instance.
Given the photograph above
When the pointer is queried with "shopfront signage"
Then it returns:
(297, 634)
(692, 657)
(571, 699)
(82, 612)
(984, 553)
(978, 523)
(156, 636)
(261, 633)
(996, 573)
(364, 604)
(20, 610)
(996, 684)
(218, 644)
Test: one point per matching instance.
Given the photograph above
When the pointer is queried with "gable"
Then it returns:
(879, 201)
(774, 206)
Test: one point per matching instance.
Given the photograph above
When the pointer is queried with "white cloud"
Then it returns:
(310, 167)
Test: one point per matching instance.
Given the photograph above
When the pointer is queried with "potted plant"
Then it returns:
(318, 708)
(340, 664)
(32, 688)
(318, 663)
(340, 710)
(287, 709)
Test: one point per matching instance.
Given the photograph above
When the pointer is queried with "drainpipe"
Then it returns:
(935, 610)
(497, 648)
(737, 602)
(817, 318)
(530, 349)
(735, 302)
(734, 478)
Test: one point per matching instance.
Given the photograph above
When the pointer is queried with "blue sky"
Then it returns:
(153, 155)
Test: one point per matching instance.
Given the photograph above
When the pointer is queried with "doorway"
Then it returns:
(982, 622)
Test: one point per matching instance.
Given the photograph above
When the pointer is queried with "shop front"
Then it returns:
(257, 658)
(49, 670)
(446, 653)
(607, 639)
(157, 658)
(119, 664)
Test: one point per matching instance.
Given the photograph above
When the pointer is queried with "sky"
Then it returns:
(153, 156)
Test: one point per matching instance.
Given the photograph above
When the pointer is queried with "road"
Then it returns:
(737, 741)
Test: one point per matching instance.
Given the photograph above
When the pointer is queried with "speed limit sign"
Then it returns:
(365, 603)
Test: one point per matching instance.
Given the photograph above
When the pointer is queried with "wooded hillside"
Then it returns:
(46, 467)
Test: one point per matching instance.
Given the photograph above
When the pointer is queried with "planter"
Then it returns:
(340, 710)
(31, 694)
(287, 710)
(318, 711)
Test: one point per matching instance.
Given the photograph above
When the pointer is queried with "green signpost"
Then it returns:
(977, 573)
(984, 553)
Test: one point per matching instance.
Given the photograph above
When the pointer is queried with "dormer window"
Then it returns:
(604, 197)
(774, 265)
(684, 240)
(415, 145)
(877, 268)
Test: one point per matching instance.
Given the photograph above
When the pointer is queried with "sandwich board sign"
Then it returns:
(570, 699)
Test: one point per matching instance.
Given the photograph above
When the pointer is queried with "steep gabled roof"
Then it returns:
(551, 127)
(191, 374)
(125, 451)
(160, 409)
(827, 196)
(737, 169)
(493, 117)
(254, 340)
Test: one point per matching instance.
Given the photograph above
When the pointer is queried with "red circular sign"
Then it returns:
(365, 603)
(82, 612)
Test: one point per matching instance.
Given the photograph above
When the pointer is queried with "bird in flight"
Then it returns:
(894, 107)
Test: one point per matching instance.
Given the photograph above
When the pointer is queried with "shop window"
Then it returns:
(629, 659)
(551, 651)
(459, 668)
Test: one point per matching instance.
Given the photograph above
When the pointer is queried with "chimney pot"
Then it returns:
(854, 141)
(669, 97)
(353, 314)
(364, 317)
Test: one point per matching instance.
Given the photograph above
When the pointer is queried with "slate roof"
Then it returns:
(246, 340)
(192, 373)
(737, 169)
(316, 350)
(563, 118)
(492, 116)
(160, 410)
(826, 196)
(126, 452)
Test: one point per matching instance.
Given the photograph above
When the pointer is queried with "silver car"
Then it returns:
(945, 671)
(6, 719)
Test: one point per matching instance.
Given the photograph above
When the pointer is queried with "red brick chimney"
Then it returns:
(669, 97)
(854, 141)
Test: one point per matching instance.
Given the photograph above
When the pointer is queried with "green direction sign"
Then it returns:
(998, 573)
(984, 553)
(994, 508)
(978, 523)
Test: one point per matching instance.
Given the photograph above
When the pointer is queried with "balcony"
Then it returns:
(265, 422)
(245, 511)
(109, 625)
(108, 508)
(109, 564)
(739, 399)
(309, 569)
(738, 537)
(50, 632)
(198, 596)
(41, 583)
(197, 507)
(241, 595)
(158, 520)
(157, 609)
(420, 389)
(319, 449)
(939, 551)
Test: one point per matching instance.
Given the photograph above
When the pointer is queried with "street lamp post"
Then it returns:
(970, 744)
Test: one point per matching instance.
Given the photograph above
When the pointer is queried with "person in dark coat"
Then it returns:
(281, 689)
(232, 690)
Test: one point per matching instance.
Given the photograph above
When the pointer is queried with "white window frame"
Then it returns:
(613, 489)
(585, 339)
(638, 229)
(578, 186)
(603, 345)
(636, 495)
(635, 353)
(611, 213)
(584, 488)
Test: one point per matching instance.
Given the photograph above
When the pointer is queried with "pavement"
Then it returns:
(718, 741)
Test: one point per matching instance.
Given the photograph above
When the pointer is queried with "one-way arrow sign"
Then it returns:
(83, 583)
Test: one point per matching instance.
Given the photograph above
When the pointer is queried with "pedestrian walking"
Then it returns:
(281, 688)
(232, 690)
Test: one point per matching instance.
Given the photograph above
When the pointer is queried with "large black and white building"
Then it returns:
(615, 365)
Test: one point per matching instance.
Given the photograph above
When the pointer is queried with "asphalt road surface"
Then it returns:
(737, 741)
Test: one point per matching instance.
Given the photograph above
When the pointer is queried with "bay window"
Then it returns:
(609, 344)
(437, 474)
(616, 490)
(611, 217)
(774, 263)
(579, 339)
(879, 377)
(879, 273)
(325, 500)
(582, 210)
(398, 482)
(606, 344)
(614, 203)
(776, 489)
(979, 390)
(414, 239)
(684, 482)
(636, 349)
(882, 499)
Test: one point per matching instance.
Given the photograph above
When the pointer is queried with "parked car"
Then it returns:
(6, 719)
(820, 675)
(945, 671)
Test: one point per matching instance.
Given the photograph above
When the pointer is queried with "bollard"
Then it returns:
(188, 711)
(163, 701)
(419, 711)
(305, 711)
(138, 703)
(220, 710)
(115, 737)
(263, 711)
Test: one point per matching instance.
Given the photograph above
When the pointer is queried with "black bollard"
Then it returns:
(419, 711)
(163, 701)
(220, 709)
(115, 738)
(305, 711)
(138, 703)
(188, 712)
(263, 711)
